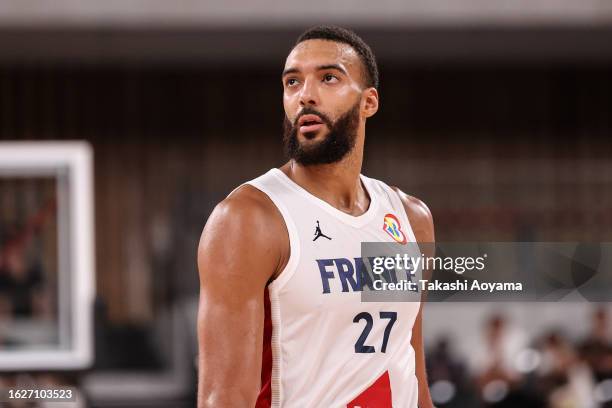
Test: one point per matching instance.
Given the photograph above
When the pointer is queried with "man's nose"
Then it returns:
(309, 95)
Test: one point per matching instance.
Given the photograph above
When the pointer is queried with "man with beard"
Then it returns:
(281, 322)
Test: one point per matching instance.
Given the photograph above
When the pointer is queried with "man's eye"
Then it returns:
(291, 81)
(329, 78)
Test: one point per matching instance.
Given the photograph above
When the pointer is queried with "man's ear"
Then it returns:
(370, 106)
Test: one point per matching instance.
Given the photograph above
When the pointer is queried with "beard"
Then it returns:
(339, 141)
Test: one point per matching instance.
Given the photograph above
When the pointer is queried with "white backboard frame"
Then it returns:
(32, 159)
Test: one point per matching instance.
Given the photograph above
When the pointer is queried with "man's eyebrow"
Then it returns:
(319, 68)
(290, 71)
(332, 66)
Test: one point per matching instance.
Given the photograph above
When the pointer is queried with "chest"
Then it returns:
(332, 272)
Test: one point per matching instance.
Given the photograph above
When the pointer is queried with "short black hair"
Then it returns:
(343, 35)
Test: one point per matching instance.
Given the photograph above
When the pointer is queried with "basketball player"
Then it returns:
(280, 322)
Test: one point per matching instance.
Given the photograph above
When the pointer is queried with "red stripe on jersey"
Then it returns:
(264, 399)
(377, 395)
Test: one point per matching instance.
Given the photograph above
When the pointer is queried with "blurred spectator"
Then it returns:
(441, 364)
(23, 293)
(596, 350)
(597, 346)
(564, 377)
(493, 359)
(500, 381)
(450, 385)
(20, 281)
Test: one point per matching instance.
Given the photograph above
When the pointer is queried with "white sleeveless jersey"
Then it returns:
(323, 346)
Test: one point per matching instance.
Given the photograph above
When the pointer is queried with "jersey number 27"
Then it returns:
(360, 346)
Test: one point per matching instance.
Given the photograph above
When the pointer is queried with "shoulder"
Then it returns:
(247, 223)
(248, 204)
(419, 216)
(248, 210)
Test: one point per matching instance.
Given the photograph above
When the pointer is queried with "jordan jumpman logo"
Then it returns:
(319, 234)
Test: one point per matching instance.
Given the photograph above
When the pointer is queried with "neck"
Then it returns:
(337, 183)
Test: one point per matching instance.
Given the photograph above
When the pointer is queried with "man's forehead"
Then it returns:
(321, 52)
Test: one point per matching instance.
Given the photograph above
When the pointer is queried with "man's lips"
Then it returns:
(311, 128)
(310, 123)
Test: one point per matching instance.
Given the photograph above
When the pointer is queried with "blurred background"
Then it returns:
(498, 116)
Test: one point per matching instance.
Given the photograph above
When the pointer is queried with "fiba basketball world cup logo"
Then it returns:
(392, 227)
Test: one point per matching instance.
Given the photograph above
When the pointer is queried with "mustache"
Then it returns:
(311, 111)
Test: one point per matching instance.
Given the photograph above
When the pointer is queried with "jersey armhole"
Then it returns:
(398, 200)
(294, 248)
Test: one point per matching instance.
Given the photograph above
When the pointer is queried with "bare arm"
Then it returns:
(421, 222)
(419, 353)
(242, 247)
